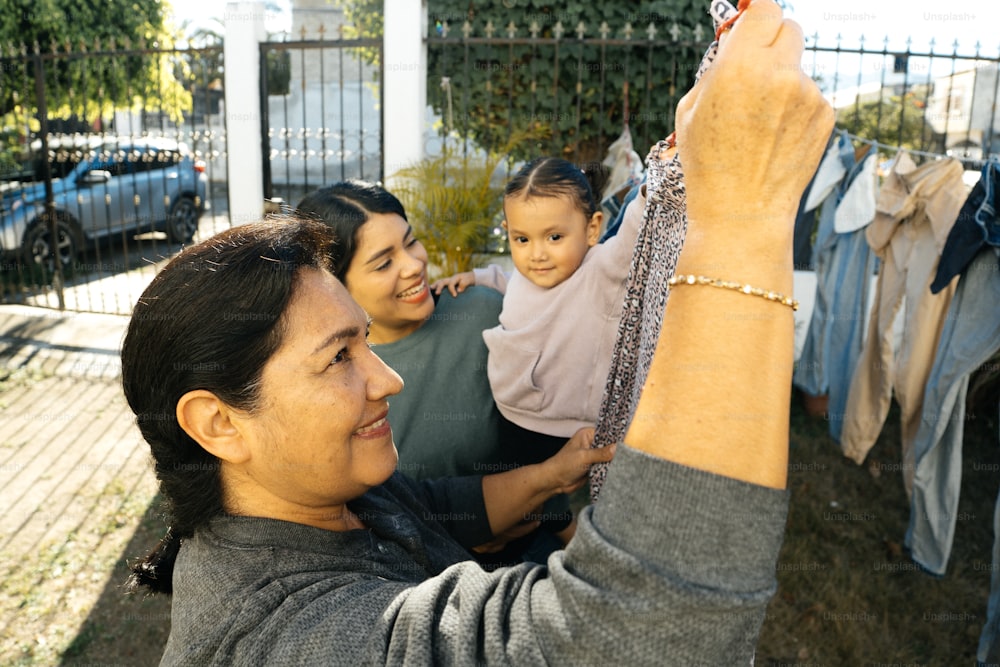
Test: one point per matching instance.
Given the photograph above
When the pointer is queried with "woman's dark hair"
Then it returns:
(345, 207)
(555, 177)
(209, 320)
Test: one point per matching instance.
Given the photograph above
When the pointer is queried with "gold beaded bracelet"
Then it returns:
(777, 297)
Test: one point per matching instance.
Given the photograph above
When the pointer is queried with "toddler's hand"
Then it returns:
(456, 284)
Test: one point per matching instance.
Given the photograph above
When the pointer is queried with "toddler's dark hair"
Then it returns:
(556, 177)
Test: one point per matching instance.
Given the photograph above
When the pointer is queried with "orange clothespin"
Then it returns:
(740, 8)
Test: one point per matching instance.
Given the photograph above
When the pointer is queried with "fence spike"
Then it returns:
(467, 29)
(675, 32)
(511, 30)
(445, 28)
(534, 29)
(627, 30)
(490, 29)
(53, 47)
(651, 31)
(699, 33)
(38, 48)
(558, 30)
(322, 31)
(581, 30)
(605, 29)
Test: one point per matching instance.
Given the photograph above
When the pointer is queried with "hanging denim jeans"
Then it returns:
(844, 266)
(970, 336)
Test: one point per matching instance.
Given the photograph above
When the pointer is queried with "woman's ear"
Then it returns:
(210, 423)
(594, 228)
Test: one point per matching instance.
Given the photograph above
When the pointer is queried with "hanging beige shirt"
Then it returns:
(916, 209)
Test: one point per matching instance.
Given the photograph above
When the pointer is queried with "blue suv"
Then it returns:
(127, 186)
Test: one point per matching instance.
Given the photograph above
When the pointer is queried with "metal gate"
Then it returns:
(321, 114)
(105, 172)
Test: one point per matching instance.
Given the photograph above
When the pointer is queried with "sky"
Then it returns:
(210, 13)
(944, 21)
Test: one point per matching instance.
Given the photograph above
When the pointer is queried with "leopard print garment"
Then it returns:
(657, 247)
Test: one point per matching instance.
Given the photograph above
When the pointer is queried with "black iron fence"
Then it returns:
(110, 159)
(155, 173)
(571, 90)
(579, 86)
(924, 99)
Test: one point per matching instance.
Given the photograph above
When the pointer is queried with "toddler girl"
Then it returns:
(549, 357)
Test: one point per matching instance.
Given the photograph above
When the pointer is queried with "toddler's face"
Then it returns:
(549, 237)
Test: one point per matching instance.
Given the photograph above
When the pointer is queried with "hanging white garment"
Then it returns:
(857, 207)
(830, 172)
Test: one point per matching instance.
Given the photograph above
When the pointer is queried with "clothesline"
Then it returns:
(897, 149)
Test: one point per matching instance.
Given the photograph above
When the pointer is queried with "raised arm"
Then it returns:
(750, 134)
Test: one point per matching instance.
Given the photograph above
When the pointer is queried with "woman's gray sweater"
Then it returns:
(673, 566)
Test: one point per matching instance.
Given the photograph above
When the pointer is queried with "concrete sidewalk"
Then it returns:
(65, 344)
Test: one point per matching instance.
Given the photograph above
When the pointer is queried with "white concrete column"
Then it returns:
(245, 30)
(404, 58)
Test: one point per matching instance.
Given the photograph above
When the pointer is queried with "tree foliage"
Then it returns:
(898, 120)
(574, 91)
(96, 56)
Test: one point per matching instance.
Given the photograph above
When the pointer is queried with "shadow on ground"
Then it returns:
(124, 629)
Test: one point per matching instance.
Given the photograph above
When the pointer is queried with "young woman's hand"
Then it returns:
(456, 284)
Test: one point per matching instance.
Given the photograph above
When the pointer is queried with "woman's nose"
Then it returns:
(413, 264)
(382, 380)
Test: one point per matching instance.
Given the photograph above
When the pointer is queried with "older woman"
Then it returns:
(247, 366)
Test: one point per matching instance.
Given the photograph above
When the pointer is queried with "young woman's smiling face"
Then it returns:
(549, 237)
(388, 277)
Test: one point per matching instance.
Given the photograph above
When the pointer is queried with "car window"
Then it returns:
(155, 159)
(115, 161)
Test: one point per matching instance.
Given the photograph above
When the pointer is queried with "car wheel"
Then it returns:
(41, 253)
(182, 222)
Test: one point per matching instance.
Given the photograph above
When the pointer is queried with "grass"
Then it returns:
(848, 592)
(63, 602)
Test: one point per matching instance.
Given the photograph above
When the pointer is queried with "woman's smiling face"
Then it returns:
(321, 434)
(388, 277)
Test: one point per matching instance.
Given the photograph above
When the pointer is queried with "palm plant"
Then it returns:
(454, 201)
